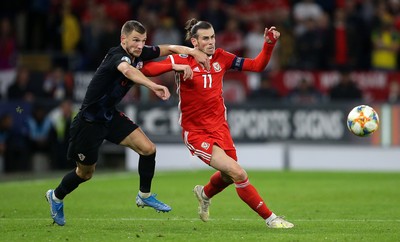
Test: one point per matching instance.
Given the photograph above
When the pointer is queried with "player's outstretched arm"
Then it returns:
(198, 55)
(136, 76)
(153, 68)
(259, 63)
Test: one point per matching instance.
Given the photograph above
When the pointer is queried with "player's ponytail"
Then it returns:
(193, 25)
(188, 27)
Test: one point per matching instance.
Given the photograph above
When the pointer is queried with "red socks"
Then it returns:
(244, 189)
(215, 185)
(249, 195)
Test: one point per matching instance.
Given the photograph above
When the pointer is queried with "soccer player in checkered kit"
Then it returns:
(99, 119)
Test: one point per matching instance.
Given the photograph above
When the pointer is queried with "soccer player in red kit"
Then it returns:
(203, 117)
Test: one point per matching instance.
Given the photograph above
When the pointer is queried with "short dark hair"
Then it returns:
(132, 25)
(193, 25)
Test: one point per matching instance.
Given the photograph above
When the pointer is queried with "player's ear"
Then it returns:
(194, 42)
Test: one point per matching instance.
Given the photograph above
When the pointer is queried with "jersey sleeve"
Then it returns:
(259, 63)
(117, 59)
(157, 68)
(150, 52)
(153, 68)
(178, 58)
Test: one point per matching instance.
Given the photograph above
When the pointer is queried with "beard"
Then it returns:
(134, 53)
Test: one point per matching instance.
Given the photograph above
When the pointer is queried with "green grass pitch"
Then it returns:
(324, 206)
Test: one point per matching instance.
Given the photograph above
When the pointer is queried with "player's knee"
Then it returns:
(148, 149)
(239, 174)
(85, 173)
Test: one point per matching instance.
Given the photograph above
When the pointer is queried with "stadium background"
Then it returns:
(332, 55)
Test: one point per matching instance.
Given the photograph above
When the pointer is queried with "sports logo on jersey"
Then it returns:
(126, 58)
(183, 55)
(139, 65)
(205, 145)
(81, 156)
(196, 69)
(216, 66)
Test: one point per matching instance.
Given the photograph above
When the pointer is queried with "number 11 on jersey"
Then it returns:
(207, 79)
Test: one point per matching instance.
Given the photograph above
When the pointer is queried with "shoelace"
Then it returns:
(153, 196)
(205, 203)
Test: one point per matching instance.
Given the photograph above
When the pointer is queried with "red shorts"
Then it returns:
(200, 143)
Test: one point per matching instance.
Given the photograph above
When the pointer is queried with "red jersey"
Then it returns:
(201, 104)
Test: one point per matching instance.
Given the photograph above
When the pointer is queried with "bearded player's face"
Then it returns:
(205, 41)
(133, 43)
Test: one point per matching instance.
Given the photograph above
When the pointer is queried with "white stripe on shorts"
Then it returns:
(196, 152)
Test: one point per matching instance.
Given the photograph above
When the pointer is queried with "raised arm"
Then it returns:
(259, 63)
(136, 76)
(198, 55)
(153, 68)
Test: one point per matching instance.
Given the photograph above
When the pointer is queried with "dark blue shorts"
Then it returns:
(87, 136)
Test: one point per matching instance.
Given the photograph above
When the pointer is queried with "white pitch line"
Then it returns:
(197, 219)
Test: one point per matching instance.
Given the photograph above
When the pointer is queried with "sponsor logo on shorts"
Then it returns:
(205, 145)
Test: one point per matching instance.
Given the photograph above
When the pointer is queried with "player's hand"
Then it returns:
(187, 71)
(201, 58)
(271, 35)
(161, 92)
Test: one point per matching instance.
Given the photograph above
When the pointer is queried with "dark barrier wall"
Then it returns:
(276, 123)
(254, 122)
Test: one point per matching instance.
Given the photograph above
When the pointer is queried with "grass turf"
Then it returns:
(324, 206)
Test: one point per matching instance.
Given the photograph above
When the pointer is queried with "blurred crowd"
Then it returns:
(74, 35)
(45, 42)
(316, 34)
